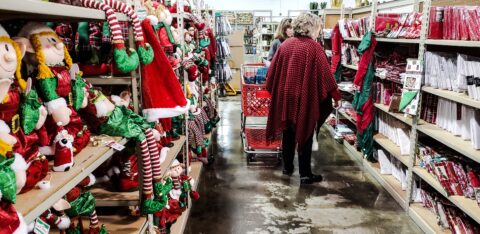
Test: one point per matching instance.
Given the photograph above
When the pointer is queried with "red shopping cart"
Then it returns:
(255, 106)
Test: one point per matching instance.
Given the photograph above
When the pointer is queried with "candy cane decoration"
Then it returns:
(144, 49)
(125, 62)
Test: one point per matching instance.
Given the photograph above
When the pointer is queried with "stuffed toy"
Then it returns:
(104, 117)
(58, 81)
(55, 216)
(124, 62)
(181, 184)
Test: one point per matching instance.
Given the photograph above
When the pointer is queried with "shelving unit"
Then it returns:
(109, 80)
(33, 203)
(422, 216)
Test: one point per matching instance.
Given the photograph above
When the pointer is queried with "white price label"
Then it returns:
(41, 227)
(114, 145)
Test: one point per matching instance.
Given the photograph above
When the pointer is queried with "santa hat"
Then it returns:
(124, 62)
(191, 69)
(162, 94)
(175, 163)
(4, 37)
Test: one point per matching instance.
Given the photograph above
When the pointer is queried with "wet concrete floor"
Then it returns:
(236, 198)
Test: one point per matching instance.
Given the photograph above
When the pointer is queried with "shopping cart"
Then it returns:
(255, 106)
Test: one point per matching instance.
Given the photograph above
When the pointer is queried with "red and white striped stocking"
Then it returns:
(155, 155)
(94, 219)
(147, 168)
(111, 18)
(127, 10)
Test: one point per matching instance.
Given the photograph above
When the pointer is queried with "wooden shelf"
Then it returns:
(399, 40)
(124, 224)
(469, 206)
(426, 219)
(353, 152)
(41, 10)
(109, 80)
(453, 96)
(346, 116)
(391, 148)
(352, 39)
(33, 203)
(429, 179)
(330, 129)
(454, 142)
(179, 226)
(398, 116)
(456, 43)
(389, 182)
(106, 197)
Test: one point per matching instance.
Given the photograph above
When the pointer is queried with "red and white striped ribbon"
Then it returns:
(111, 17)
(124, 8)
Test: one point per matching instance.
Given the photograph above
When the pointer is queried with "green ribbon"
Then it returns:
(78, 92)
(168, 29)
(8, 185)
(126, 123)
(47, 89)
(84, 205)
(29, 111)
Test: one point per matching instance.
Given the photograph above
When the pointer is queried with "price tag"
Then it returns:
(114, 145)
(41, 227)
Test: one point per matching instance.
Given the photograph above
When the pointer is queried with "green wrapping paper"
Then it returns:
(126, 123)
(84, 205)
(8, 186)
(78, 92)
(29, 111)
(47, 88)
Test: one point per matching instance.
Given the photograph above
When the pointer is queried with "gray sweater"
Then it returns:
(273, 49)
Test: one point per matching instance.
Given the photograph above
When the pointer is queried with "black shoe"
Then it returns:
(287, 172)
(311, 179)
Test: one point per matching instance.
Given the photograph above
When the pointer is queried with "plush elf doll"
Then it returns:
(58, 82)
(82, 203)
(181, 184)
(55, 216)
(104, 117)
(21, 110)
(10, 220)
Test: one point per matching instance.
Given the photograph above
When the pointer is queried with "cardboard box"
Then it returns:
(236, 38)
(238, 57)
(236, 79)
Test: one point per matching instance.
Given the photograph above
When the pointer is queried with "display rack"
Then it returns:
(266, 37)
(424, 218)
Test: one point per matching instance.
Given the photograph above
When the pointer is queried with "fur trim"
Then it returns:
(63, 223)
(175, 163)
(19, 163)
(55, 104)
(153, 19)
(4, 127)
(118, 101)
(92, 180)
(163, 154)
(101, 108)
(153, 114)
(33, 28)
(22, 228)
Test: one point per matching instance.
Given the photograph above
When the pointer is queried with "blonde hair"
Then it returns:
(281, 32)
(44, 71)
(306, 24)
(18, 74)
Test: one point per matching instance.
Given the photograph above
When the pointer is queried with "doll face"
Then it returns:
(188, 38)
(191, 31)
(53, 49)
(8, 60)
(176, 171)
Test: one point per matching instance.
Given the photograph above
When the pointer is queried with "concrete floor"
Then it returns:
(236, 198)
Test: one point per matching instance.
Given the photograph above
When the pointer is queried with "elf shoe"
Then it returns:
(150, 206)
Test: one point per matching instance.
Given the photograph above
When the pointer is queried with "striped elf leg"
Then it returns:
(93, 219)
(145, 51)
(155, 155)
(147, 169)
(124, 62)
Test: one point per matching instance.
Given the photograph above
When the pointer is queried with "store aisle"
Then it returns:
(241, 199)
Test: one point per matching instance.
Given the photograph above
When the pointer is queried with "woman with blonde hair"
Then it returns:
(284, 31)
(302, 88)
